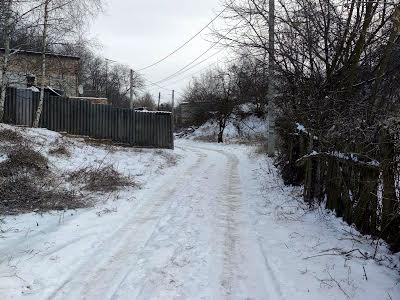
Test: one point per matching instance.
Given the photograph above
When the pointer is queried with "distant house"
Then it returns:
(61, 71)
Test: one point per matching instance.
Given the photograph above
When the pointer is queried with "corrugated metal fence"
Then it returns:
(98, 121)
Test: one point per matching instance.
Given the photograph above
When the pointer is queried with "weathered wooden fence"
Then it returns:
(98, 121)
(364, 192)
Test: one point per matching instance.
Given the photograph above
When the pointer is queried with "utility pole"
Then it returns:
(271, 78)
(173, 100)
(107, 79)
(107, 61)
(172, 109)
(159, 100)
(131, 90)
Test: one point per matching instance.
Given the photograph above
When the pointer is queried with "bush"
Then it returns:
(24, 160)
(19, 194)
(60, 150)
(103, 179)
(11, 136)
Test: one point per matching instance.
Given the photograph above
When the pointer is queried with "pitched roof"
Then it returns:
(31, 52)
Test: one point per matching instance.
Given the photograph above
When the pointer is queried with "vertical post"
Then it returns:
(107, 79)
(173, 100)
(271, 79)
(172, 119)
(131, 90)
(159, 100)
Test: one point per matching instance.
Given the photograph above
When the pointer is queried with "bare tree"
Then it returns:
(62, 18)
(6, 20)
(146, 101)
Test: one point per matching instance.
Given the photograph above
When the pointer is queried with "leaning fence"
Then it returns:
(97, 121)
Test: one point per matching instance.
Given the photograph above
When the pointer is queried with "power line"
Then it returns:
(202, 69)
(182, 70)
(190, 68)
(184, 44)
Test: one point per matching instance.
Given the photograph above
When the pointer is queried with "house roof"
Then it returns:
(31, 52)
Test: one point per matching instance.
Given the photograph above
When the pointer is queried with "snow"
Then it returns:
(344, 156)
(249, 129)
(220, 224)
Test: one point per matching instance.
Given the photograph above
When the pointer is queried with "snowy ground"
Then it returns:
(249, 129)
(219, 225)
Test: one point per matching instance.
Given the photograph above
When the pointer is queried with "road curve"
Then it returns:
(191, 238)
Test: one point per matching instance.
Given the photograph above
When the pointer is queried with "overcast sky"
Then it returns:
(138, 33)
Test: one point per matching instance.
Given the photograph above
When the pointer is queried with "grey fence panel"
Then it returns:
(80, 117)
(94, 119)
(9, 106)
(109, 124)
(23, 107)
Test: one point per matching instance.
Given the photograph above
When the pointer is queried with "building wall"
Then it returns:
(61, 71)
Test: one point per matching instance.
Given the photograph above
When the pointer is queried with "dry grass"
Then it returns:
(27, 184)
(23, 160)
(170, 158)
(102, 179)
(211, 138)
(60, 148)
(11, 136)
(21, 194)
(261, 149)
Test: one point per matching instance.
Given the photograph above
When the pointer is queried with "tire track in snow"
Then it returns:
(232, 212)
(110, 258)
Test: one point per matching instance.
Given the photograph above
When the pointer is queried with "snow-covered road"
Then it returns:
(193, 233)
(191, 239)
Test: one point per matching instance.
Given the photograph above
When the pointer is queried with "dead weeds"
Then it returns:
(102, 179)
(60, 149)
(27, 184)
(21, 194)
(11, 136)
(23, 160)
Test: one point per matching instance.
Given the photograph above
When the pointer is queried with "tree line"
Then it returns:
(221, 90)
(336, 95)
(60, 27)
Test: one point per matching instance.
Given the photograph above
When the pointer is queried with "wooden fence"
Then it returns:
(364, 192)
(98, 121)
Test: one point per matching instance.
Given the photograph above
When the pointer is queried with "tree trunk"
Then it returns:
(390, 219)
(309, 184)
(365, 211)
(221, 131)
(6, 59)
(44, 42)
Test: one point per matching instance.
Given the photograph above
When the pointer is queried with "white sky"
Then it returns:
(140, 32)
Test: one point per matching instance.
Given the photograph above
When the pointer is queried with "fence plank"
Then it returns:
(80, 117)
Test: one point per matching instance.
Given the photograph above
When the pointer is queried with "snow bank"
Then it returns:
(251, 128)
(312, 253)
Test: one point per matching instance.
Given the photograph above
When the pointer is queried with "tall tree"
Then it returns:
(61, 19)
(6, 20)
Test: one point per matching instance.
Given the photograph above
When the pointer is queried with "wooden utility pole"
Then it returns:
(173, 100)
(107, 79)
(131, 90)
(271, 79)
(107, 67)
(159, 100)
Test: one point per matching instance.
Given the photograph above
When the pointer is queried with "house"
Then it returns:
(61, 71)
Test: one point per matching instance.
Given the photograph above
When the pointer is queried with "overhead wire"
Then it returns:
(185, 68)
(185, 43)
